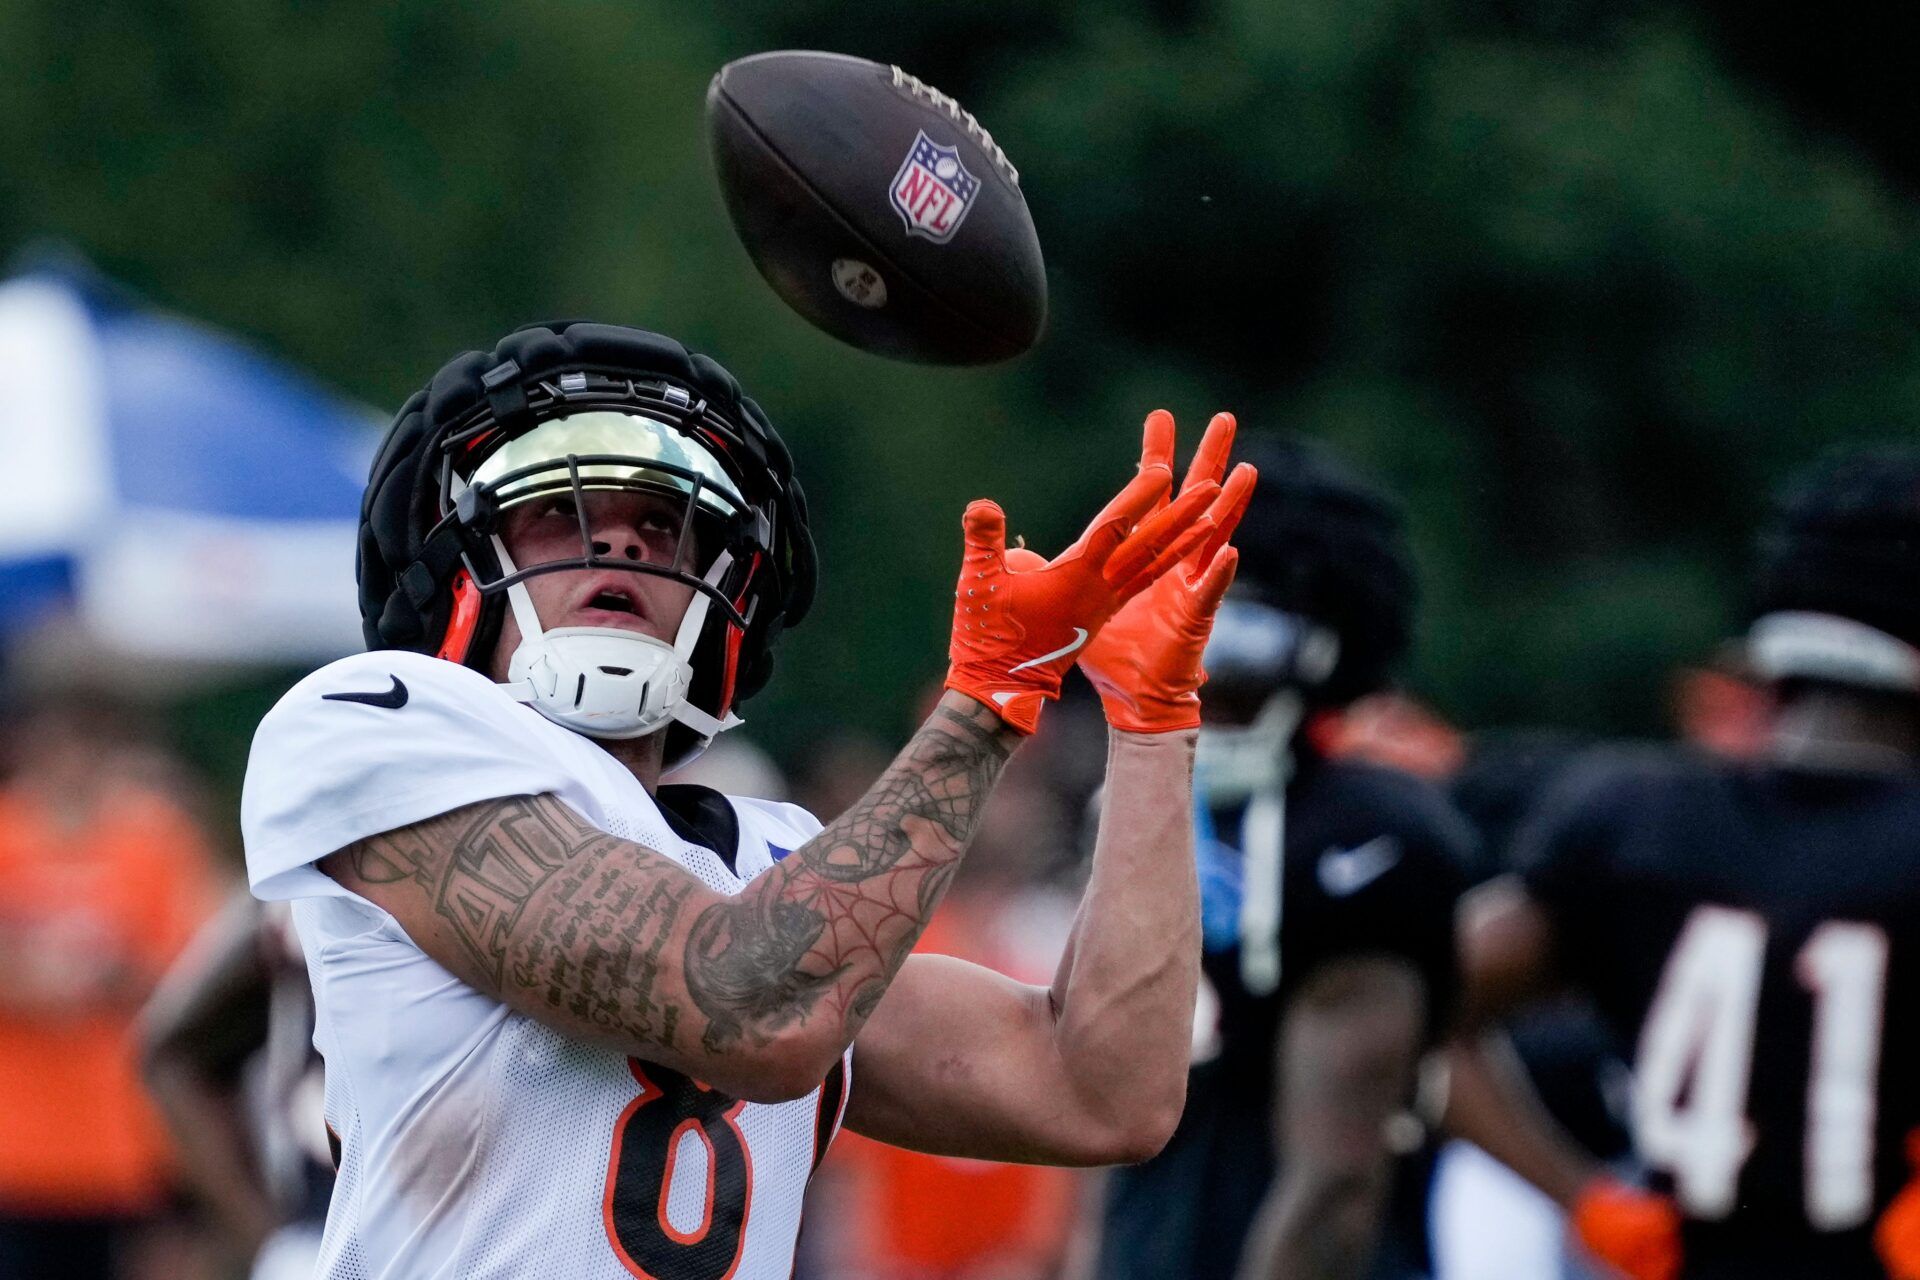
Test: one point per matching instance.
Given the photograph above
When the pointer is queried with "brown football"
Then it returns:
(877, 207)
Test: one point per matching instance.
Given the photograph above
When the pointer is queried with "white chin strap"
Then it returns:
(605, 682)
(1821, 646)
(1234, 762)
(1254, 763)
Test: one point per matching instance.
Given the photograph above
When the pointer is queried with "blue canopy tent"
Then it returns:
(179, 494)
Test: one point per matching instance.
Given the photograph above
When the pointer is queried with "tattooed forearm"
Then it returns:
(544, 906)
(949, 770)
(607, 940)
(746, 966)
(831, 925)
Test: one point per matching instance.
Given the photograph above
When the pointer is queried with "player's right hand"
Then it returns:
(1896, 1237)
(1020, 621)
(1635, 1232)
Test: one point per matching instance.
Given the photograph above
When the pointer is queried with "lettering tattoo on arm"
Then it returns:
(542, 901)
(546, 909)
(829, 927)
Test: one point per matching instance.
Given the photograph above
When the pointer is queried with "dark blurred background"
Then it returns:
(1578, 280)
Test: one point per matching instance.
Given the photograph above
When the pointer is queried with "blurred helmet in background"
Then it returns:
(1324, 599)
(1837, 576)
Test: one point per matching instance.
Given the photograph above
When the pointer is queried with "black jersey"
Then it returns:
(1746, 931)
(1373, 863)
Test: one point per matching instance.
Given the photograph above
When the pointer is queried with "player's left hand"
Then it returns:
(1635, 1232)
(1145, 663)
(1896, 1237)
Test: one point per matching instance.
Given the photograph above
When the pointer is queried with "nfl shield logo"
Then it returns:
(933, 190)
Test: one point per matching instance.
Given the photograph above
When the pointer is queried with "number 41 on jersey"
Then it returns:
(1696, 1053)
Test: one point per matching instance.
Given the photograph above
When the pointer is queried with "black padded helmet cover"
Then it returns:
(1843, 538)
(406, 570)
(1318, 541)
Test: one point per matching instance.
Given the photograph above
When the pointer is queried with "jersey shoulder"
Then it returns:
(1363, 801)
(378, 741)
(384, 700)
(1617, 783)
(390, 679)
(1376, 859)
(1621, 776)
(1614, 799)
(1896, 795)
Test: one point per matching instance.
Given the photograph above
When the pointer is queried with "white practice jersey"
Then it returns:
(474, 1141)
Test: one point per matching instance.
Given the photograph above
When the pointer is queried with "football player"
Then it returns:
(228, 1046)
(578, 1023)
(1749, 930)
(1328, 894)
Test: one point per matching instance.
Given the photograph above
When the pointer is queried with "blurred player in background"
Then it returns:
(1329, 889)
(103, 878)
(1749, 929)
(580, 1023)
(228, 1039)
(1488, 1223)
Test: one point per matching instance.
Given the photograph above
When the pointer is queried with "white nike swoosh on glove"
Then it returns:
(1079, 638)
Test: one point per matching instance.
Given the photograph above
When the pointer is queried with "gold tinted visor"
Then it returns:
(616, 451)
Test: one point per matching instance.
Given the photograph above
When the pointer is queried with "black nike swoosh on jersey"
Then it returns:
(393, 699)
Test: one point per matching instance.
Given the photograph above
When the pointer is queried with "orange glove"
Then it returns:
(1897, 1235)
(1146, 662)
(1019, 621)
(1635, 1232)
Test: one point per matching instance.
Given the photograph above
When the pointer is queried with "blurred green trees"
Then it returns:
(1548, 268)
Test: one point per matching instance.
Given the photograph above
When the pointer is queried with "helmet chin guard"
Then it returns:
(605, 682)
(599, 681)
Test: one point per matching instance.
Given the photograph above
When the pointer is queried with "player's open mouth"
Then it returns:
(613, 597)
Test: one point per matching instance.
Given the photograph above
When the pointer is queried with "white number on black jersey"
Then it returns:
(1696, 1052)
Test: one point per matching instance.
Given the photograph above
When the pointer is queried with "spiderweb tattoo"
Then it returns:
(843, 912)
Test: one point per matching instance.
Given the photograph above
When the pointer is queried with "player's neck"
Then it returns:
(1841, 730)
(643, 757)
